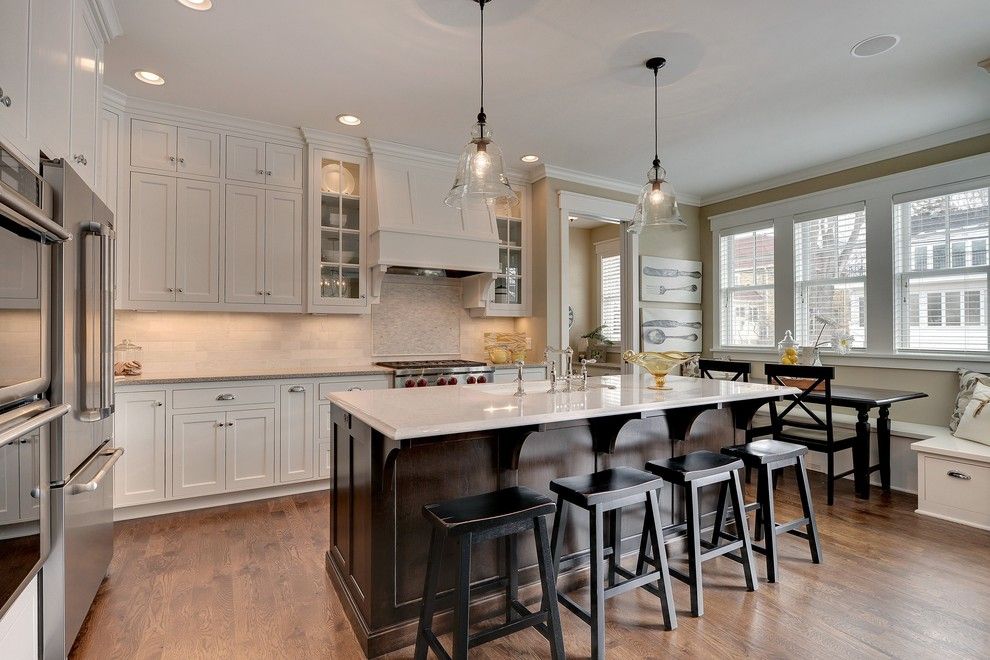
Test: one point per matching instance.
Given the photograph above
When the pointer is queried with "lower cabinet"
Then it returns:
(295, 433)
(139, 427)
(250, 449)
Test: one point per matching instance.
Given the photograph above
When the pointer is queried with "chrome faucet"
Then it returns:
(568, 354)
(519, 378)
(583, 386)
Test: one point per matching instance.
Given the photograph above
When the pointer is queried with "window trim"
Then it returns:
(720, 301)
(879, 195)
(608, 248)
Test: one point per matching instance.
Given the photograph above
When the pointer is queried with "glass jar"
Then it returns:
(125, 359)
(788, 350)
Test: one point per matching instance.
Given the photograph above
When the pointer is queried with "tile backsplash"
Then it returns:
(181, 341)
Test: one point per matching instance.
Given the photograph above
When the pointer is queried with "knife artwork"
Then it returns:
(671, 272)
(659, 337)
(667, 323)
(662, 290)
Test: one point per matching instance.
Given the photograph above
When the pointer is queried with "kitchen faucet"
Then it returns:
(519, 378)
(568, 354)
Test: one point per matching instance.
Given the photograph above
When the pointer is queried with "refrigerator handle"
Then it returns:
(106, 240)
(10, 433)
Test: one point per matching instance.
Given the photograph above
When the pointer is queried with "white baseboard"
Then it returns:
(220, 499)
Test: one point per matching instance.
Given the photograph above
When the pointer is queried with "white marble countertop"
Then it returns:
(243, 372)
(423, 412)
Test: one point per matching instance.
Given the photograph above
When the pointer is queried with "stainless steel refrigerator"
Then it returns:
(82, 453)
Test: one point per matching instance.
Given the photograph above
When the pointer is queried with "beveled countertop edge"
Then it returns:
(260, 375)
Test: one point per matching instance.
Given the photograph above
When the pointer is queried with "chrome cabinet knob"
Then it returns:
(171, 159)
(158, 403)
(219, 424)
(170, 289)
(182, 161)
(268, 293)
(80, 159)
(230, 423)
(268, 172)
(4, 99)
(179, 290)
(261, 171)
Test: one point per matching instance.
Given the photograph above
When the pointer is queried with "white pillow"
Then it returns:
(975, 421)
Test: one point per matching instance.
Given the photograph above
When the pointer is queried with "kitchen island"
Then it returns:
(397, 450)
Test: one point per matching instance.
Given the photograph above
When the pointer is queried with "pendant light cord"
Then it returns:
(656, 118)
(481, 114)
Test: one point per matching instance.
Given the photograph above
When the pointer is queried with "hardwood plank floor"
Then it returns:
(248, 581)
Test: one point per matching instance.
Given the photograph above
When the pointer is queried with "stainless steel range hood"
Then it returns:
(411, 230)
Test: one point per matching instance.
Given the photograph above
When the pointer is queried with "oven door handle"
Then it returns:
(94, 483)
(47, 416)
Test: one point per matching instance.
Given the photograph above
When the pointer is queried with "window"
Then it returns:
(830, 274)
(951, 230)
(746, 287)
(610, 288)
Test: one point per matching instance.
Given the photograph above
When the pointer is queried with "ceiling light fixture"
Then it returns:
(530, 158)
(198, 5)
(480, 173)
(349, 120)
(657, 205)
(149, 77)
(876, 45)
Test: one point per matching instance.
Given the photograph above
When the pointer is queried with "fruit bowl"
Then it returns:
(657, 364)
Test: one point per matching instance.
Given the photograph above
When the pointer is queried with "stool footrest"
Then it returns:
(528, 621)
(717, 551)
(579, 611)
(631, 582)
(434, 643)
(540, 627)
(791, 527)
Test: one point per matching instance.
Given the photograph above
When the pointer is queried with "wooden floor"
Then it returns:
(248, 581)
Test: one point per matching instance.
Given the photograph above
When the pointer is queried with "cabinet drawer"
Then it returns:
(358, 383)
(946, 484)
(326, 426)
(213, 397)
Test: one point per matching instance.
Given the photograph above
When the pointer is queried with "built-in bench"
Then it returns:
(954, 479)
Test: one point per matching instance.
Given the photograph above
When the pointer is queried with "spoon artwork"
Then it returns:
(668, 323)
(661, 290)
(659, 336)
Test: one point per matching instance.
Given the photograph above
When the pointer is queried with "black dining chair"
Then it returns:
(800, 424)
(739, 370)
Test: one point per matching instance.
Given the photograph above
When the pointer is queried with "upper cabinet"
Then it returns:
(168, 148)
(337, 229)
(15, 55)
(85, 118)
(256, 161)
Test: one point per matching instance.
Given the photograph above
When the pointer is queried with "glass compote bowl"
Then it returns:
(658, 364)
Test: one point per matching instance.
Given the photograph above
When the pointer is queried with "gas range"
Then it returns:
(426, 373)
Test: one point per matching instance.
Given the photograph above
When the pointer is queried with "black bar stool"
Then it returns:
(692, 472)
(739, 370)
(469, 520)
(603, 495)
(768, 456)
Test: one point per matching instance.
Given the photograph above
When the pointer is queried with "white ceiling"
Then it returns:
(753, 90)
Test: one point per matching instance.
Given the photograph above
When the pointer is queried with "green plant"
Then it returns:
(598, 335)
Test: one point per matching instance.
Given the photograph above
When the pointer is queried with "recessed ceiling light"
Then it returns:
(198, 5)
(149, 77)
(530, 158)
(875, 45)
(349, 120)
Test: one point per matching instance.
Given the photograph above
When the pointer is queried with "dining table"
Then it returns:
(863, 400)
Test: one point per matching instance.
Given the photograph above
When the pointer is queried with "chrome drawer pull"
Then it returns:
(225, 397)
(297, 388)
(956, 474)
(354, 389)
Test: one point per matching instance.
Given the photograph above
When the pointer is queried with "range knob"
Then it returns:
(482, 379)
(421, 382)
(410, 382)
(471, 380)
(441, 381)
(452, 380)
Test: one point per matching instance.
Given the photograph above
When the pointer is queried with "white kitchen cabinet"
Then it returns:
(106, 173)
(197, 241)
(10, 510)
(85, 116)
(295, 437)
(139, 427)
(170, 148)
(14, 69)
(151, 238)
(263, 245)
(51, 75)
(257, 161)
(198, 454)
(250, 449)
(19, 627)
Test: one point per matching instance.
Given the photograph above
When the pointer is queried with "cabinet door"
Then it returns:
(198, 454)
(295, 434)
(9, 484)
(152, 237)
(198, 152)
(139, 427)
(250, 449)
(197, 241)
(51, 76)
(153, 145)
(283, 248)
(244, 276)
(245, 159)
(84, 128)
(106, 180)
(14, 31)
(284, 165)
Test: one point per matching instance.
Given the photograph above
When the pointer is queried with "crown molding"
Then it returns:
(350, 144)
(586, 179)
(114, 99)
(865, 158)
(383, 148)
(107, 20)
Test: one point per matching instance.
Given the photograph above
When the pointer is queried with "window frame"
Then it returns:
(724, 293)
(603, 250)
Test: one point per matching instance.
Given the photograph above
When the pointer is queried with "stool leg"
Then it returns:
(768, 527)
(549, 581)
(760, 513)
(739, 510)
(512, 572)
(694, 549)
(660, 552)
(615, 534)
(723, 492)
(429, 593)
(809, 511)
(557, 535)
(462, 603)
(648, 522)
(597, 585)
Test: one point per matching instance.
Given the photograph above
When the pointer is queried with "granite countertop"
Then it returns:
(430, 411)
(510, 365)
(193, 375)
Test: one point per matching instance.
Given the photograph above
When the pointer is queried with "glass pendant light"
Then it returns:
(657, 205)
(480, 171)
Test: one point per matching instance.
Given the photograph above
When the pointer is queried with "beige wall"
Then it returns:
(581, 293)
(941, 386)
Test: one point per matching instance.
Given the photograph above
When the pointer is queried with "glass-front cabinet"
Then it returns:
(337, 238)
(509, 295)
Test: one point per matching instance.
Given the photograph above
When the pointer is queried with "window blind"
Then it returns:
(830, 275)
(610, 268)
(942, 271)
(746, 287)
